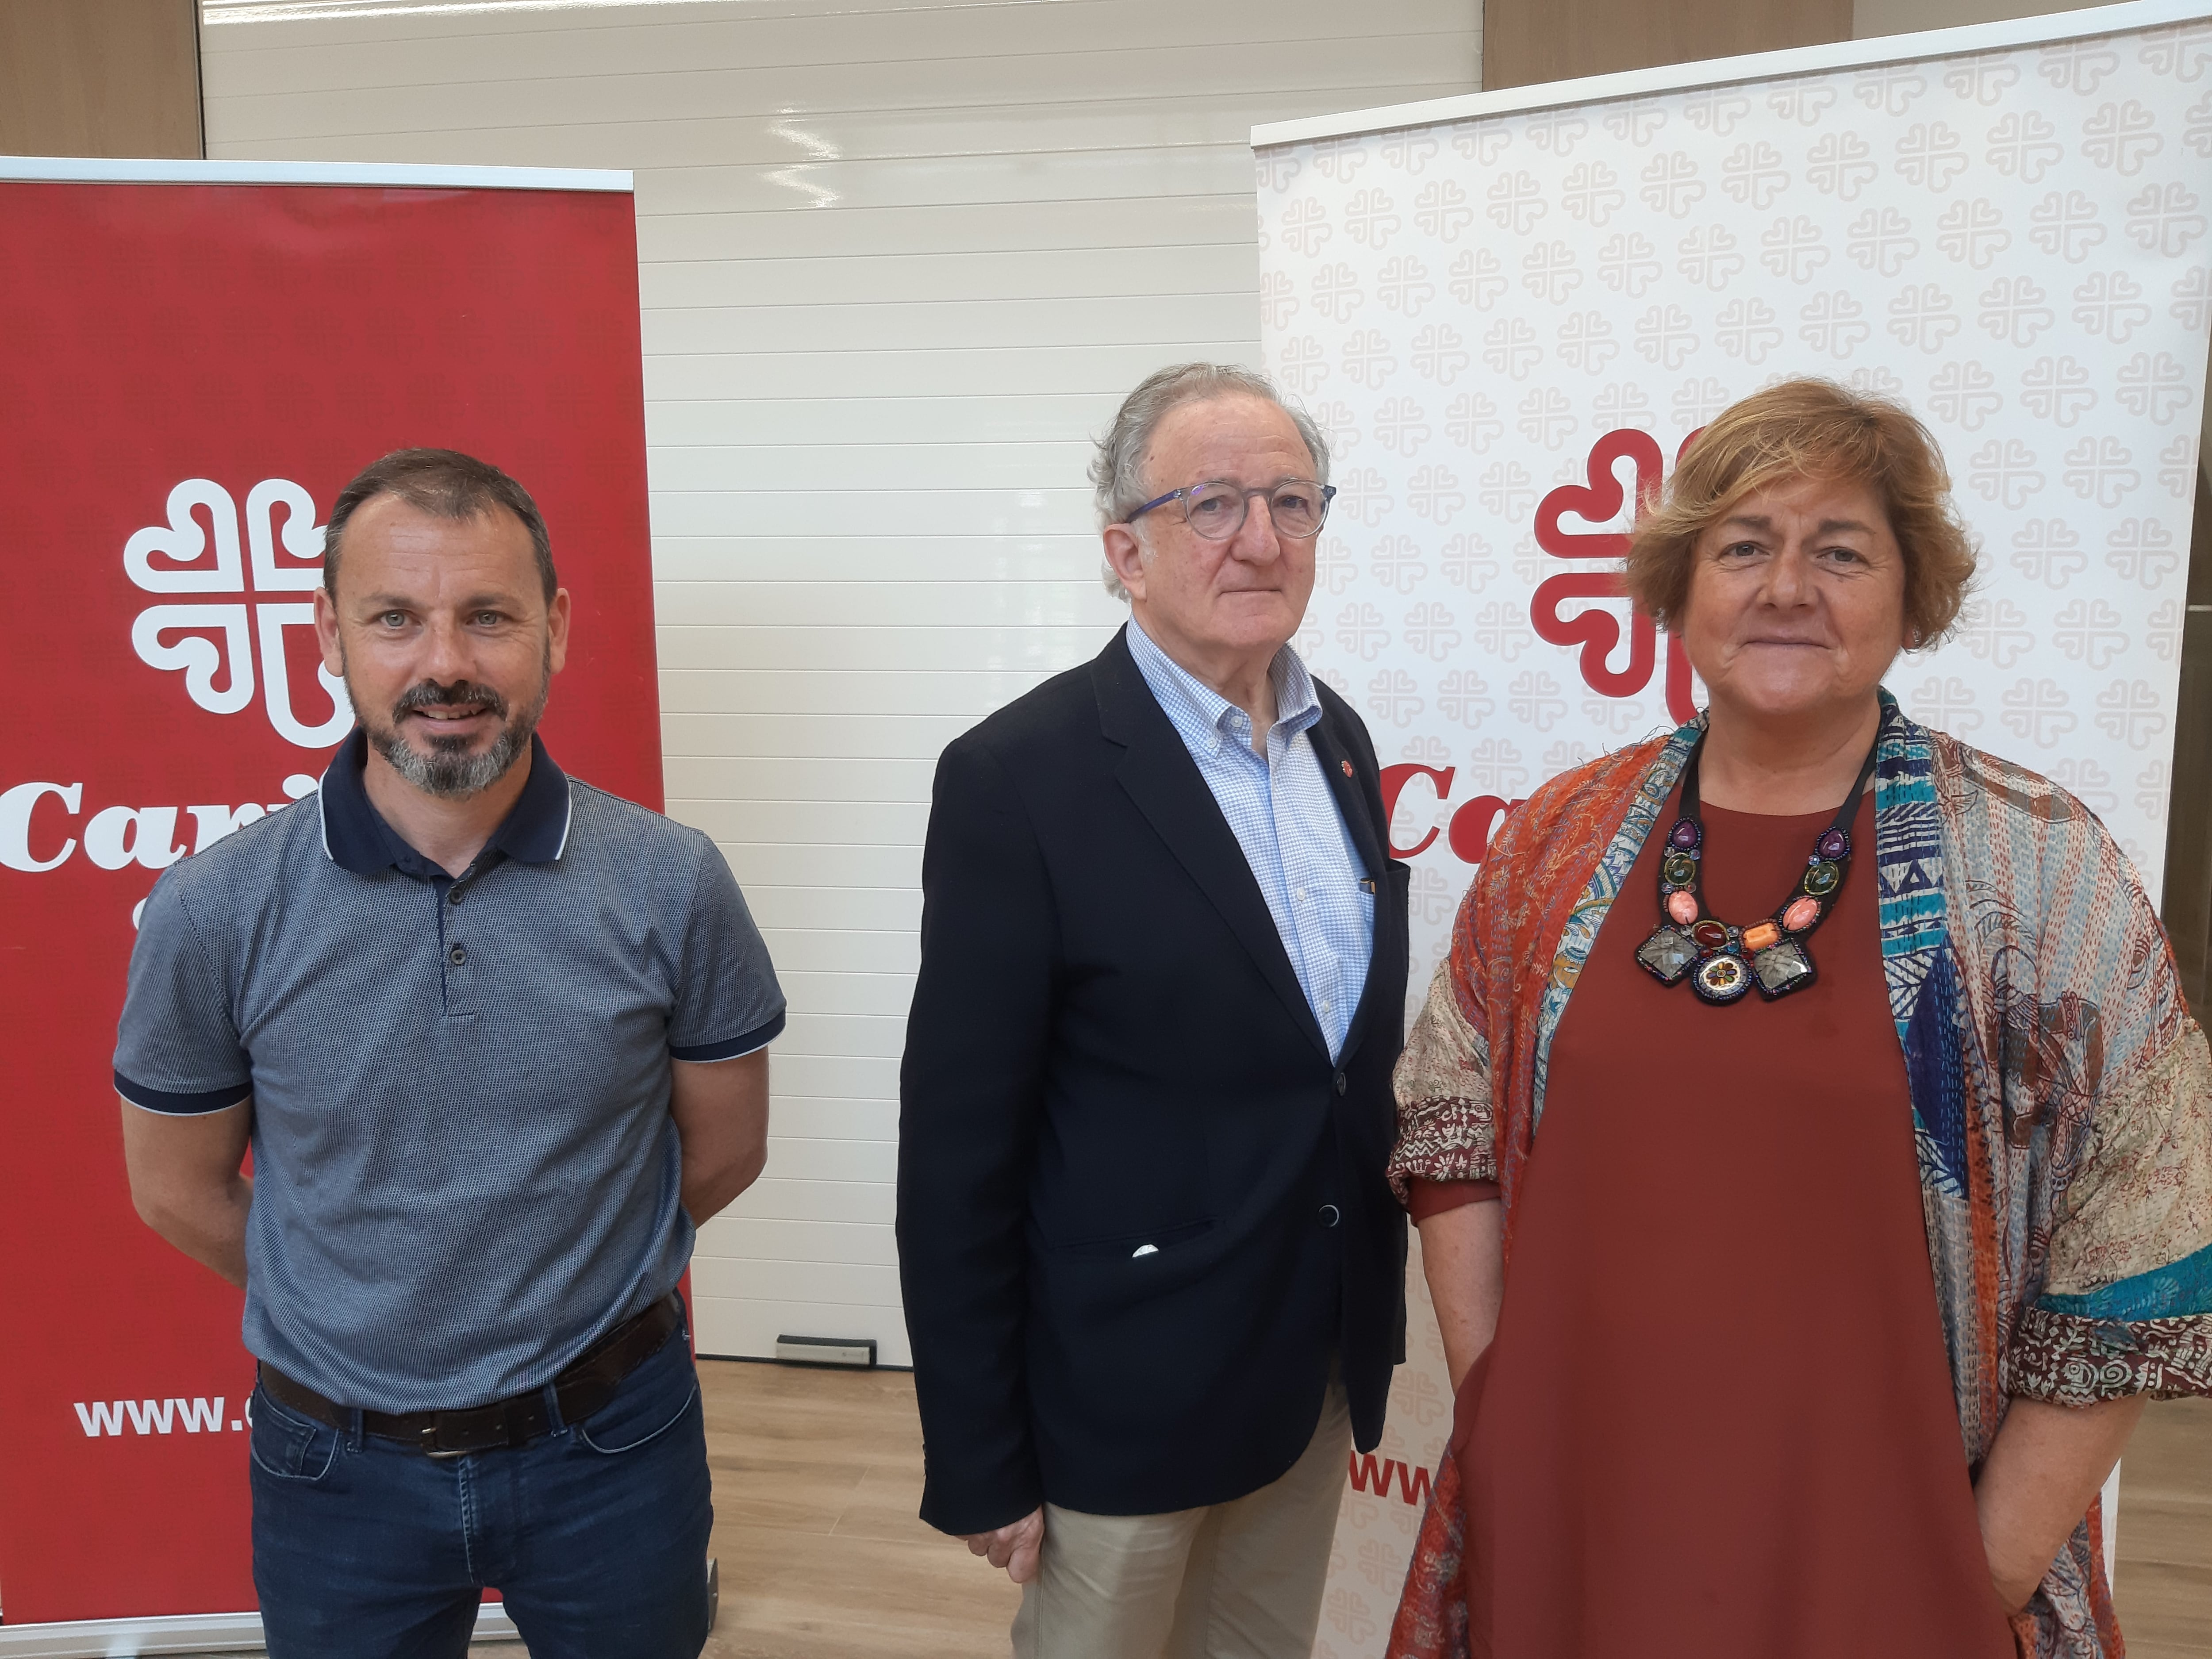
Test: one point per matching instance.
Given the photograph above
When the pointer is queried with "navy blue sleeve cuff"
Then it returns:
(731, 1049)
(175, 1105)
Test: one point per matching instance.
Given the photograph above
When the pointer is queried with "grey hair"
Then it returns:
(1117, 471)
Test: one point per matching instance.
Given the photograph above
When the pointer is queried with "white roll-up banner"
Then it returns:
(1511, 311)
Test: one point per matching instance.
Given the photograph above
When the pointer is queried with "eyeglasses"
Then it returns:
(1217, 509)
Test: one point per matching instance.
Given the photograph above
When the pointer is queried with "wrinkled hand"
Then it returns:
(1013, 1546)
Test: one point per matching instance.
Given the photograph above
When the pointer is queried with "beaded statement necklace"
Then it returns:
(1723, 961)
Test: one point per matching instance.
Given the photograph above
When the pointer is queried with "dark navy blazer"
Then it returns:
(1107, 1049)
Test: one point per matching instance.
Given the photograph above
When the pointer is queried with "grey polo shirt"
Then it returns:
(465, 1168)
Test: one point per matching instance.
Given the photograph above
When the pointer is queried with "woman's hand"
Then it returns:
(2038, 1483)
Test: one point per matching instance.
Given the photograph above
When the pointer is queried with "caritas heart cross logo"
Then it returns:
(1600, 500)
(212, 642)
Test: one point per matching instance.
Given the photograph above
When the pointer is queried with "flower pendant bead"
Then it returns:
(1721, 978)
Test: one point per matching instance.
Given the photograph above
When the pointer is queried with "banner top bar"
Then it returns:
(40, 169)
(2112, 19)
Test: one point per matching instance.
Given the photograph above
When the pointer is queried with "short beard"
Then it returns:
(449, 771)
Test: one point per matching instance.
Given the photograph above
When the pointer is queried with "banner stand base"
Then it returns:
(188, 1633)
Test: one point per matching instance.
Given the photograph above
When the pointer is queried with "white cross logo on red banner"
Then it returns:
(215, 638)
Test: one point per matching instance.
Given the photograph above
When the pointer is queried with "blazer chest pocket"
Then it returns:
(1135, 1246)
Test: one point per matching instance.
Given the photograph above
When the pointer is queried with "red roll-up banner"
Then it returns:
(190, 369)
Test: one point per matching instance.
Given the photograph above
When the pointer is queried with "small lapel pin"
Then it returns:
(1144, 1250)
(1347, 765)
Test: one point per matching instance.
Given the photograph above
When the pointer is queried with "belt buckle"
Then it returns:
(430, 1447)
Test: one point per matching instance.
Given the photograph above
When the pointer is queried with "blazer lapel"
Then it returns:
(1350, 796)
(1159, 776)
(1349, 789)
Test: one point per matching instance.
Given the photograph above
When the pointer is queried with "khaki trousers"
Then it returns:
(1240, 1580)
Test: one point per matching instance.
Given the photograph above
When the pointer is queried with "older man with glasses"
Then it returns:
(1152, 1270)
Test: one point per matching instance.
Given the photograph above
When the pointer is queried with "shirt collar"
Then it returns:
(1297, 705)
(355, 836)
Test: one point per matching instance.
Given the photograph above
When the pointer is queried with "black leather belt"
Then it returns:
(583, 1388)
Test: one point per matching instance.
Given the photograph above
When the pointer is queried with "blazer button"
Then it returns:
(1330, 1215)
(1341, 1085)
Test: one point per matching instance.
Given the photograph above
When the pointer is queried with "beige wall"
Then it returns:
(1873, 17)
(900, 259)
(1526, 41)
(99, 77)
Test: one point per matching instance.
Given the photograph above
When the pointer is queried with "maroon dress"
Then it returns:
(1716, 1420)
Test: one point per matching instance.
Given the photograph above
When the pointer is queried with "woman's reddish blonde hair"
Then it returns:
(1806, 429)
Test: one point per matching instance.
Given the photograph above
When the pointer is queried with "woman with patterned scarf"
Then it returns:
(1811, 1147)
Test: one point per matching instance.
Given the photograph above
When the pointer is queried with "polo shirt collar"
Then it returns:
(357, 837)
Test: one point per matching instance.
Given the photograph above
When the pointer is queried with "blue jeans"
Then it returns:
(595, 1534)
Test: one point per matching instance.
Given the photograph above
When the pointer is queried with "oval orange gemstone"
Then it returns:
(1760, 936)
(1683, 907)
(1801, 915)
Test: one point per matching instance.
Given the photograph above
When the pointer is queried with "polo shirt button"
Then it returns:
(1341, 1085)
(453, 897)
(457, 956)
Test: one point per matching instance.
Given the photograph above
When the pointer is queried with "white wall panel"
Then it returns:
(799, 1157)
(1006, 227)
(899, 258)
(838, 1284)
(947, 324)
(923, 370)
(918, 603)
(807, 736)
(862, 562)
(824, 778)
(855, 512)
(1082, 274)
(855, 951)
(826, 865)
(779, 1198)
(829, 468)
(494, 98)
(758, 1238)
(896, 649)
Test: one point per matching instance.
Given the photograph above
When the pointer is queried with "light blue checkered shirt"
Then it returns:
(1285, 818)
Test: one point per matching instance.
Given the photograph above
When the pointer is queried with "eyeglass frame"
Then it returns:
(1327, 494)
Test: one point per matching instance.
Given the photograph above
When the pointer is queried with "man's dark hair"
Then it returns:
(446, 484)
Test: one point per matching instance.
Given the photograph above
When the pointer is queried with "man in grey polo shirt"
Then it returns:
(497, 1041)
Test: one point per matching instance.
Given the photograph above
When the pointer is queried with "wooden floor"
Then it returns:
(2163, 1580)
(818, 1474)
